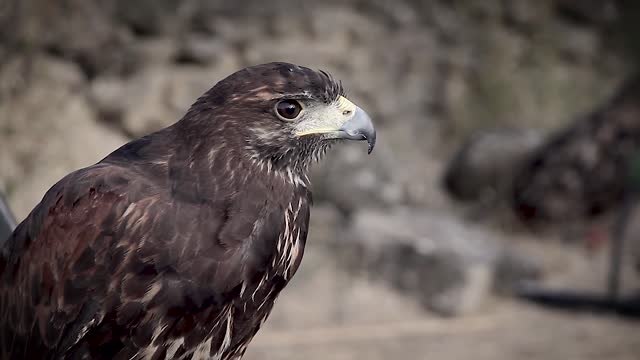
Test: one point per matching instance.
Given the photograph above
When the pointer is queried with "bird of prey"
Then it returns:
(176, 245)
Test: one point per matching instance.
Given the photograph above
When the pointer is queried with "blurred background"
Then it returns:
(495, 218)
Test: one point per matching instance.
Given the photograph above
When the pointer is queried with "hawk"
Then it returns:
(177, 244)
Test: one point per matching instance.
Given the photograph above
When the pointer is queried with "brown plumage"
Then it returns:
(176, 245)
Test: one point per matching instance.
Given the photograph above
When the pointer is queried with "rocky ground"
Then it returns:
(395, 267)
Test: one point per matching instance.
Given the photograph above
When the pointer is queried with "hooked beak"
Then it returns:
(359, 127)
(341, 120)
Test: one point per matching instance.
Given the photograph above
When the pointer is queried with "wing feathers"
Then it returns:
(110, 264)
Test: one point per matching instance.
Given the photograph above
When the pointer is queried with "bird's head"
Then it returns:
(286, 114)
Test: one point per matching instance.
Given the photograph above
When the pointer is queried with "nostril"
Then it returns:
(346, 112)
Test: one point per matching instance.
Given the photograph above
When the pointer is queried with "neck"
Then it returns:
(289, 158)
(233, 167)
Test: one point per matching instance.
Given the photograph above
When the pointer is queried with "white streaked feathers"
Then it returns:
(226, 341)
(173, 348)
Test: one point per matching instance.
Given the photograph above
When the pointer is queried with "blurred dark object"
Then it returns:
(626, 27)
(612, 301)
(578, 301)
(485, 164)
(581, 171)
(622, 226)
(7, 220)
(587, 12)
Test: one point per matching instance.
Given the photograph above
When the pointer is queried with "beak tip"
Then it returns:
(372, 144)
(371, 139)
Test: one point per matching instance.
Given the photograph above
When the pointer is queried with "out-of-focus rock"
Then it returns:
(525, 13)
(577, 43)
(48, 130)
(325, 224)
(631, 229)
(155, 97)
(486, 163)
(79, 31)
(446, 264)
(201, 50)
(635, 253)
(351, 179)
(515, 269)
(156, 51)
(109, 98)
(148, 17)
(138, 106)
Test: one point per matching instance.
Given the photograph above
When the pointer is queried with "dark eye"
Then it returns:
(289, 109)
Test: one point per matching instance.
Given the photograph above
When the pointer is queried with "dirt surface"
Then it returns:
(349, 317)
(505, 333)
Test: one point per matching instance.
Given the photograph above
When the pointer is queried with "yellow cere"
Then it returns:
(345, 105)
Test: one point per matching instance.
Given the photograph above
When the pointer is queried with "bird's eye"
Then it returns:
(288, 109)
